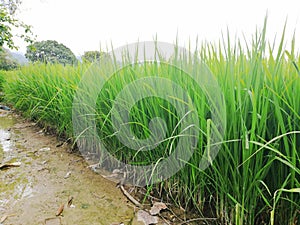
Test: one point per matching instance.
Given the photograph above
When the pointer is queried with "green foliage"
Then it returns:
(8, 21)
(6, 60)
(10, 5)
(50, 52)
(92, 56)
(2, 80)
(44, 92)
(255, 178)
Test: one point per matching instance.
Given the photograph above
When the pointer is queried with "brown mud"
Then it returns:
(48, 175)
(40, 174)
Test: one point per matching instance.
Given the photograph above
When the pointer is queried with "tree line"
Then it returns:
(49, 51)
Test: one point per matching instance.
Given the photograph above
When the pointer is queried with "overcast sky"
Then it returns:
(83, 25)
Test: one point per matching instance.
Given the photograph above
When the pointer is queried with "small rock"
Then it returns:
(146, 218)
(44, 149)
(67, 175)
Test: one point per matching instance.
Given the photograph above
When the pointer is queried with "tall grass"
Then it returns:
(44, 93)
(1, 81)
(255, 178)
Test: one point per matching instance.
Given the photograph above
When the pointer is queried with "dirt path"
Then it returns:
(47, 176)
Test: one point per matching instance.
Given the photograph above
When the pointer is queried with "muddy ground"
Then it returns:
(39, 174)
(46, 176)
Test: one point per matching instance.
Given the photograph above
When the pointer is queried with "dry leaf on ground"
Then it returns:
(7, 165)
(146, 218)
(70, 201)
(157, 207)
(60, 210)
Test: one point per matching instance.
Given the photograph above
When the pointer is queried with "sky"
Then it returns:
(90, 24)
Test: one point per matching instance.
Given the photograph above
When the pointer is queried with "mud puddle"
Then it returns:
(47, 177)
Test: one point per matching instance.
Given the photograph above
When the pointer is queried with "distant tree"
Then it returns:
(8, 21)
(7, 62)
(11, 5)
(91, 56)
(50, 52)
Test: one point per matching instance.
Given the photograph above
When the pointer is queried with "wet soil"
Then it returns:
(47, 177)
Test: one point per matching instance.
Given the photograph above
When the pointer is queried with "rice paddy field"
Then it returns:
(254, 179)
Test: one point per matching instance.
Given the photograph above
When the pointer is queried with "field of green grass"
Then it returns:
(255, 178)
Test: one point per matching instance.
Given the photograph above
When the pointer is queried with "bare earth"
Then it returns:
(48, 175)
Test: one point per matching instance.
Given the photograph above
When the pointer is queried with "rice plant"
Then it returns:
(1, 81)
(255, 178)
(44, 93)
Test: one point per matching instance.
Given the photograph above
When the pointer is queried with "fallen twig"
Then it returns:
(132, 199)
(54, 220)
(3, 218)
